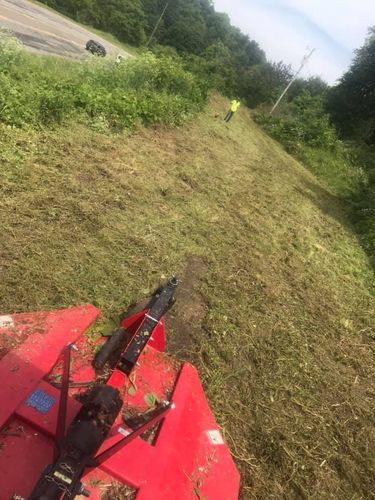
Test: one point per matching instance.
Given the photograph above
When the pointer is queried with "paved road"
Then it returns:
(46, 32)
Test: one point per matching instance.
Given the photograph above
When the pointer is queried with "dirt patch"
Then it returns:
(184, 322)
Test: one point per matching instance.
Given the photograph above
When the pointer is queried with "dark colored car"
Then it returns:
(96, 48)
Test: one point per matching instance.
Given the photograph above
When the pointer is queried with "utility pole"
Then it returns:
(157, 24)
(304, 61)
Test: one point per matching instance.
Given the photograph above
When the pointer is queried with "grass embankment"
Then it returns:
(278, 288)
(345, 169)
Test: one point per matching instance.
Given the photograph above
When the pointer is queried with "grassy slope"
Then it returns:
(284, 288)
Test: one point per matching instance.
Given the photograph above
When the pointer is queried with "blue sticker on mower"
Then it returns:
(40, 401)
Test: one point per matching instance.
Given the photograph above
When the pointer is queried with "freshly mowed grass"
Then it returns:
(286, 334)
(344, 168)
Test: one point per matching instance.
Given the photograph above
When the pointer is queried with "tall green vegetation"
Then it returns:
(46, 91)
(209, 45)
(352, 108)
(352, 102)
(332, 130)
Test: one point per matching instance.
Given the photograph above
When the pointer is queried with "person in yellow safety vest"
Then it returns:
(234, 105)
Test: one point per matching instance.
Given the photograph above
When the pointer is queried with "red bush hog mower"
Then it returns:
(131, 423)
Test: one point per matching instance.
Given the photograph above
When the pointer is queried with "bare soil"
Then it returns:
(185, 322)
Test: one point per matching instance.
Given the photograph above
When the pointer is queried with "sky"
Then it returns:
(287, 29)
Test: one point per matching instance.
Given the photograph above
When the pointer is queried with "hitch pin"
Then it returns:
(151, 318)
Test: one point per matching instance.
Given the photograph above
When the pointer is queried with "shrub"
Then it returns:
(10, 51)
(304, 124)
(39, 91)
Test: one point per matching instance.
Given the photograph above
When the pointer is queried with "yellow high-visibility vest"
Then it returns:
(234, 105)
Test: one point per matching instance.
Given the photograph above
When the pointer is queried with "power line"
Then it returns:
(304, 61)
(157, 24)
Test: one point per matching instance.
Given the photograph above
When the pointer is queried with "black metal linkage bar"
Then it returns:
(158, 415)
(61, 417)
(161, 305)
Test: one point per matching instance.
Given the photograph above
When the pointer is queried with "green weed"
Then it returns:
(40, 91)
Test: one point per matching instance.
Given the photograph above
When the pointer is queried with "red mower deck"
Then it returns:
(183, 457)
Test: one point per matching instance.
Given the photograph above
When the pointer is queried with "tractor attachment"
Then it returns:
(129, 422)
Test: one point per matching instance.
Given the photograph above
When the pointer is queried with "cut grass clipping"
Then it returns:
(281, 315)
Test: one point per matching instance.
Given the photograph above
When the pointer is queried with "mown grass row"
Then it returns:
(345, 168)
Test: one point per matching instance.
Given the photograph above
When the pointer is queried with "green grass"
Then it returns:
(334, 168)
(346, 170)
(282, 315)
(348, 174)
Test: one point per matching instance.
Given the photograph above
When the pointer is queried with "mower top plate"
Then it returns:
(184, 457)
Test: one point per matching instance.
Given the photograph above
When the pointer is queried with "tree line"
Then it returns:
(351, 105)
(229, 59)
(205, 39)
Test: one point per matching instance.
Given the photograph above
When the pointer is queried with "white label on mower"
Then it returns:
(215, 437)
(62, 477)
(6, 321)
(123, 431)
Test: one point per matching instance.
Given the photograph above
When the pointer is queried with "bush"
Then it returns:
(304, 124)
(10, 51)
(38, 91)
(56, 104)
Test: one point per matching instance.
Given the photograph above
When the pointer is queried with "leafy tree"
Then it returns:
(152, 10)
(218, 27)
(219, 68)
(124, 18)
(262, 82)
(308, 111)
(352, 102)
(245, 51)
(185, 28)
(314, 85)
